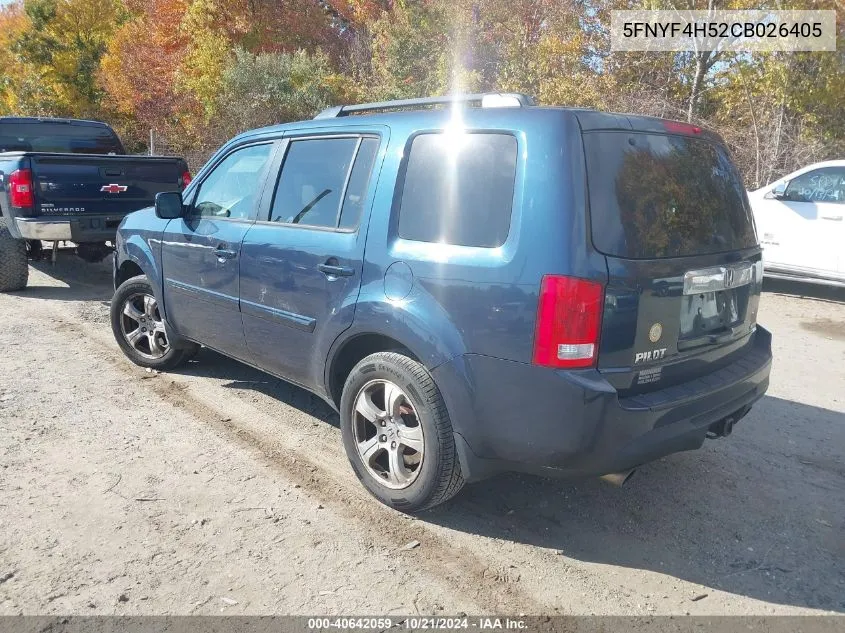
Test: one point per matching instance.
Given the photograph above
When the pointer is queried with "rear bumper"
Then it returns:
(43, 229)
(514, 416)
(94, 228)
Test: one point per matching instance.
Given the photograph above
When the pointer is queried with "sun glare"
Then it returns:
(454, 133)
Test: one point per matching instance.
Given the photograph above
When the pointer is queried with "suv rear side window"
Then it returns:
(659, 195)
(458, 189)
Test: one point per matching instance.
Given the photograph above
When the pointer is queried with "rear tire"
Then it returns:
(397, 433)
(138, 327)
(14, 269)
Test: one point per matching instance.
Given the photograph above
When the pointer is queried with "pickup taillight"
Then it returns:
(569, 317)
(21, 195)
(186, 179)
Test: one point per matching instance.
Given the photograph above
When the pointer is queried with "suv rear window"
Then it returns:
(458, 189)
(65, 138)
(659, 195)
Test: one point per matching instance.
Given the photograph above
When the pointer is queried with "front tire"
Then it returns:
(139, 330)
(397, 433)
(14, 269)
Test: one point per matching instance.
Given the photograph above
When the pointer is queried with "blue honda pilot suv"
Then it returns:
(475, 283)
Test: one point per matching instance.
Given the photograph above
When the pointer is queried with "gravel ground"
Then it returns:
(221, 489)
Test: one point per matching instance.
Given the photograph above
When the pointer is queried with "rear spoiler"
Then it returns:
(591, 121)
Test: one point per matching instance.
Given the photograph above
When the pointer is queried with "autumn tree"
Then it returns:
(197, 71)
(270, 88)
(16, 76)
(63, 45)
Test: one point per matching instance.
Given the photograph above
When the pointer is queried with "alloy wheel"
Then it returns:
(388, 434)
(142, 326)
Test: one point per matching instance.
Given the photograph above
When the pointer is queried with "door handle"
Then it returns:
(835, 218)
(224, 253)
(332, 269)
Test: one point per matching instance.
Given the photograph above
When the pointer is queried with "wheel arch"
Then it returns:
(349, 351)
(134, 256)
(128, 269)
(421, 328)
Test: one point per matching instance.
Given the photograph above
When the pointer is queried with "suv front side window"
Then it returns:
(820, 185)
(232, 188)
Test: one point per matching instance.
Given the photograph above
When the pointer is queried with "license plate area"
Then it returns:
(712, 312)
(715, 300)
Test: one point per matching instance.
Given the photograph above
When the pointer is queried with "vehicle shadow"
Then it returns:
(759, 514)
(77, 280)
(817, 292)
(210, 364)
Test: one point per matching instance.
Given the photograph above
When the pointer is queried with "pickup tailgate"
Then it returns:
(78, 184)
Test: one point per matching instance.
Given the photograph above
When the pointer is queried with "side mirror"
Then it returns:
(779, 191)
(169, 205)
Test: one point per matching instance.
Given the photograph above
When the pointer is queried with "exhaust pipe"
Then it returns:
(722, 428)
(618, 479)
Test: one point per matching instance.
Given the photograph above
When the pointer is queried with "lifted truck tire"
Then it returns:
(14, 270)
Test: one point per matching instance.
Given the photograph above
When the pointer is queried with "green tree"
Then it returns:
(410, 50)
(271, 88)
(64, 43)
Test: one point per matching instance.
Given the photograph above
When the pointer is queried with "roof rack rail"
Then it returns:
(486, 100)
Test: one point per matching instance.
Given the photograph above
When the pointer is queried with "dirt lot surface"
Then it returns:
(221, 489)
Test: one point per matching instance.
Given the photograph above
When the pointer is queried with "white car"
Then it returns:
(801, 224)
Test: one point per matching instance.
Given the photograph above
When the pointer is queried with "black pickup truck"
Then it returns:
(70, 180)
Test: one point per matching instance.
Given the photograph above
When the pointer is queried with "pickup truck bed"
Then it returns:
(70, 180)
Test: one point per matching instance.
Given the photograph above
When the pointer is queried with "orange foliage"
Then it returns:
(138, 72)
(13, 22)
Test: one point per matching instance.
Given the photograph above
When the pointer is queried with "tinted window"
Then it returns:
(459, 189)
(356, 191)
(312, 180)
(820, 185)
(231, 190)
(58, 137)
(656, 195)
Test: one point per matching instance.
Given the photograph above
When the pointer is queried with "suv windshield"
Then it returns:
(58, 137)
(658, 195)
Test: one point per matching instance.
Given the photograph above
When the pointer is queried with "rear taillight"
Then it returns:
(20, 189)
(568, 322)
(186, 179)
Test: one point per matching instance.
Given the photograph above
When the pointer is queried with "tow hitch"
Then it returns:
(725, 426)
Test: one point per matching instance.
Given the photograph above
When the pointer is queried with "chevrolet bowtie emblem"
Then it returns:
(113, 188)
